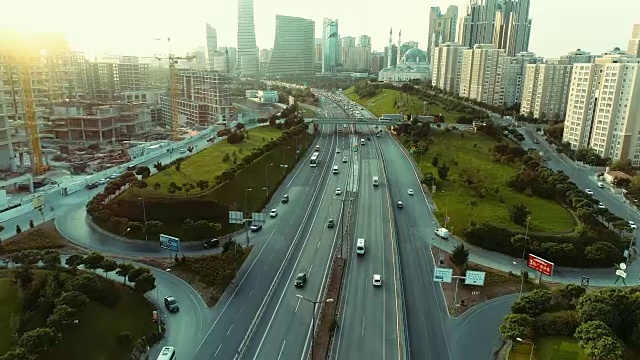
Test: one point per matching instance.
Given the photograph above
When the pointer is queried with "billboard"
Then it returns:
(170, 243)
(540, 265)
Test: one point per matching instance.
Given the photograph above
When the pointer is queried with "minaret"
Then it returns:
(399, 43)
(389, 51)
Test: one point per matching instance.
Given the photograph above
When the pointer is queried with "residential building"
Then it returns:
(412, 66)
(265, 57)
(442, 28)
(85, 123)
(377, 61)
(7, 132)
(579, 56)
(357, 57)
(477, 26)
(293, 49)
(247, 50)
(347, 46)
(481, 74)
(267, 96)
(512, 28)
(204, 98)
(318, 54)
(225, 59)
(107, 81)
(634, 42)
(212, 45)
(445, 67)
(330, 40)
(546, 89)
(603, 111)
(513, 75)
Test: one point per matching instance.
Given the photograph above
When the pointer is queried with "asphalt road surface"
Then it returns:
(371, 324)
(426, 312)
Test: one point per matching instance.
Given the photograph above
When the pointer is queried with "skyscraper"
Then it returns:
(442, 28)
(212, 45)
(512, 26)
(293, 48)
(634, 43)
(247, 49)
(329, 45)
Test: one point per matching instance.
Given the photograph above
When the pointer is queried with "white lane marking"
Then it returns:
(218, 349)
(230, 327)
(310, 267)
(362, 331)
(264, 246)
(298, 304)
(281, 349)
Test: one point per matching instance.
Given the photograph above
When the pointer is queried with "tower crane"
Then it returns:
(173, 81)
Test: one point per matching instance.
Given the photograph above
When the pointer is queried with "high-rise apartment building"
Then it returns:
(377, 61)
(247, 49)
(442, 28)
(513, 71)
(546, 89)
(603, 111)
(330, 39)
(634, 43)
(293, 49)
(225, 59)
(447, 61)
(512, 27)
(265, 55)
(578, 56)
(212, 45)
(318, 54)
(108, 80)
(481, 74)
(477, 26)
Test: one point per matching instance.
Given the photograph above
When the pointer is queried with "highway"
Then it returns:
(371, 324)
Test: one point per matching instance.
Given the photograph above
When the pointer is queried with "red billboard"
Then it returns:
(540, 265)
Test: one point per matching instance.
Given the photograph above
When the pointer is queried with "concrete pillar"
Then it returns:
(21, 158)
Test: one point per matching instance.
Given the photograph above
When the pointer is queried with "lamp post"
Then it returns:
(313, 317)
(266, 177)
(144, 217)
(524, 250)
(245, 199)
(533, 346)
(246, 222)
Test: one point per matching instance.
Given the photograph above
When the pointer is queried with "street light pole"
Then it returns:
(144, 217)
(246, 220)
(266, 177)
(313, 317)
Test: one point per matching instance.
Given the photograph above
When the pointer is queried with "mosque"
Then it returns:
(412, 66)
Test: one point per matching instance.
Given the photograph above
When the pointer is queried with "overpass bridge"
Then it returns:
(352, 121)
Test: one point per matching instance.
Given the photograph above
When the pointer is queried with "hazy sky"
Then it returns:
(128, 27)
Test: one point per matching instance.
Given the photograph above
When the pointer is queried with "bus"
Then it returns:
(167, 353)
(314, 159)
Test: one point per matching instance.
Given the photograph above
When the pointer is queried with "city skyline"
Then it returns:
(595, 30)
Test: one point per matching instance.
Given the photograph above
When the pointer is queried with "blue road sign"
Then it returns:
(170, 243)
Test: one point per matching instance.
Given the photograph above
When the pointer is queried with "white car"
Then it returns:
(443, 233)
(410, 191)
(338, 191)
(377, 280)
(588, 191)
(273, 213)
(338, 151)
(601, 185)
(344, 159)
(601, 206)
(632, 225)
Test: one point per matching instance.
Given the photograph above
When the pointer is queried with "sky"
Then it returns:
(129, 27)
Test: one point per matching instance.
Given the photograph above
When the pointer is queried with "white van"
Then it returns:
(443, 233)
(167, 353)
(376, 182)
(335, 169)
(362, 142)
(360, 247)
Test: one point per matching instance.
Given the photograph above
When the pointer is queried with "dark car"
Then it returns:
(93, 185)
(171, 304)
(211, 243)
(331, 223)
(132, 168)
(256, 227)
(285, 199)
(301, 280)
(368, 137)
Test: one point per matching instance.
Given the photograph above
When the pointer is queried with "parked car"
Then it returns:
(301, 280)
(171, 304)
(211, 243)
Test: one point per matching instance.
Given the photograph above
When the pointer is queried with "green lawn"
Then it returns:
(383, 104)
(472, 153)
(205, 165)
(549, 348)
(9, 308)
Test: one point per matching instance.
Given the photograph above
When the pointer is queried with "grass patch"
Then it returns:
(42, 237)
(556, 348)
(383, 103)
(205, 165)
(473, 152)
(9, 309)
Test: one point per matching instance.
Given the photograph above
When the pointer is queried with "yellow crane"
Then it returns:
(173, 85)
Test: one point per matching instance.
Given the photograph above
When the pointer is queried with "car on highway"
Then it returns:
(183, 151)
(331, 223)
(317, 147)
(368, 137)
(344, 159)
(344, 125)
(114, 176)
(601, 185)
(92, 185)
(338, 191)
(443, 233)
(588, 191)
(377, 280)
(337, 151)
(301, 280)
(103, 181)
(632, 225)
(132, 167)
(171, 304)
(273, 213)
(211, 243)
(601, 206)
(256, 227)
(285, 199)
(410, 191)
(400, 204)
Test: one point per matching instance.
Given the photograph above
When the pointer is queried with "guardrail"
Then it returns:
(394, 235)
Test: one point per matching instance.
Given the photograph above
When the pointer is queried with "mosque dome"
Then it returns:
(415, 55)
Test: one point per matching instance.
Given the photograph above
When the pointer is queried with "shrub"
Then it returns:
(559, 323)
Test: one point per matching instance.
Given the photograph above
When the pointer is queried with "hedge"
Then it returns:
(559, 323)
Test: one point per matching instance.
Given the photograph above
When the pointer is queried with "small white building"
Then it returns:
(413, 66)
(267, 96)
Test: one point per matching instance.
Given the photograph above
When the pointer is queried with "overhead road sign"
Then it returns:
(442, 275)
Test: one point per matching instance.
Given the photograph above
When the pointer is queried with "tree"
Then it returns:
(18, 229)
(443, 171)
(51, 260)
(93, 260)
(156, 186)
(124, 270)
(202, 184)
(72, 299)
(516, 326)
(39, 340)
(178, 164)
(135, 273)
(605, 348)
(145, 283)
(519, 241)
(108, 266)
(592, 331)
(17, 354)
(61, 315)
(533, 304)
(459, 255)
(31, 225)
(141, 184)
(187, 187)
(435, 161)
(23, 276)
(518, 213)
(601, 306)
(74, 261)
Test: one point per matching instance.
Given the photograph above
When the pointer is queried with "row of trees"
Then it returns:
(601, 320)
(53, 302)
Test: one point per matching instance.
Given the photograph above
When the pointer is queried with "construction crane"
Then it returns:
(29, 118)
(173, 81)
